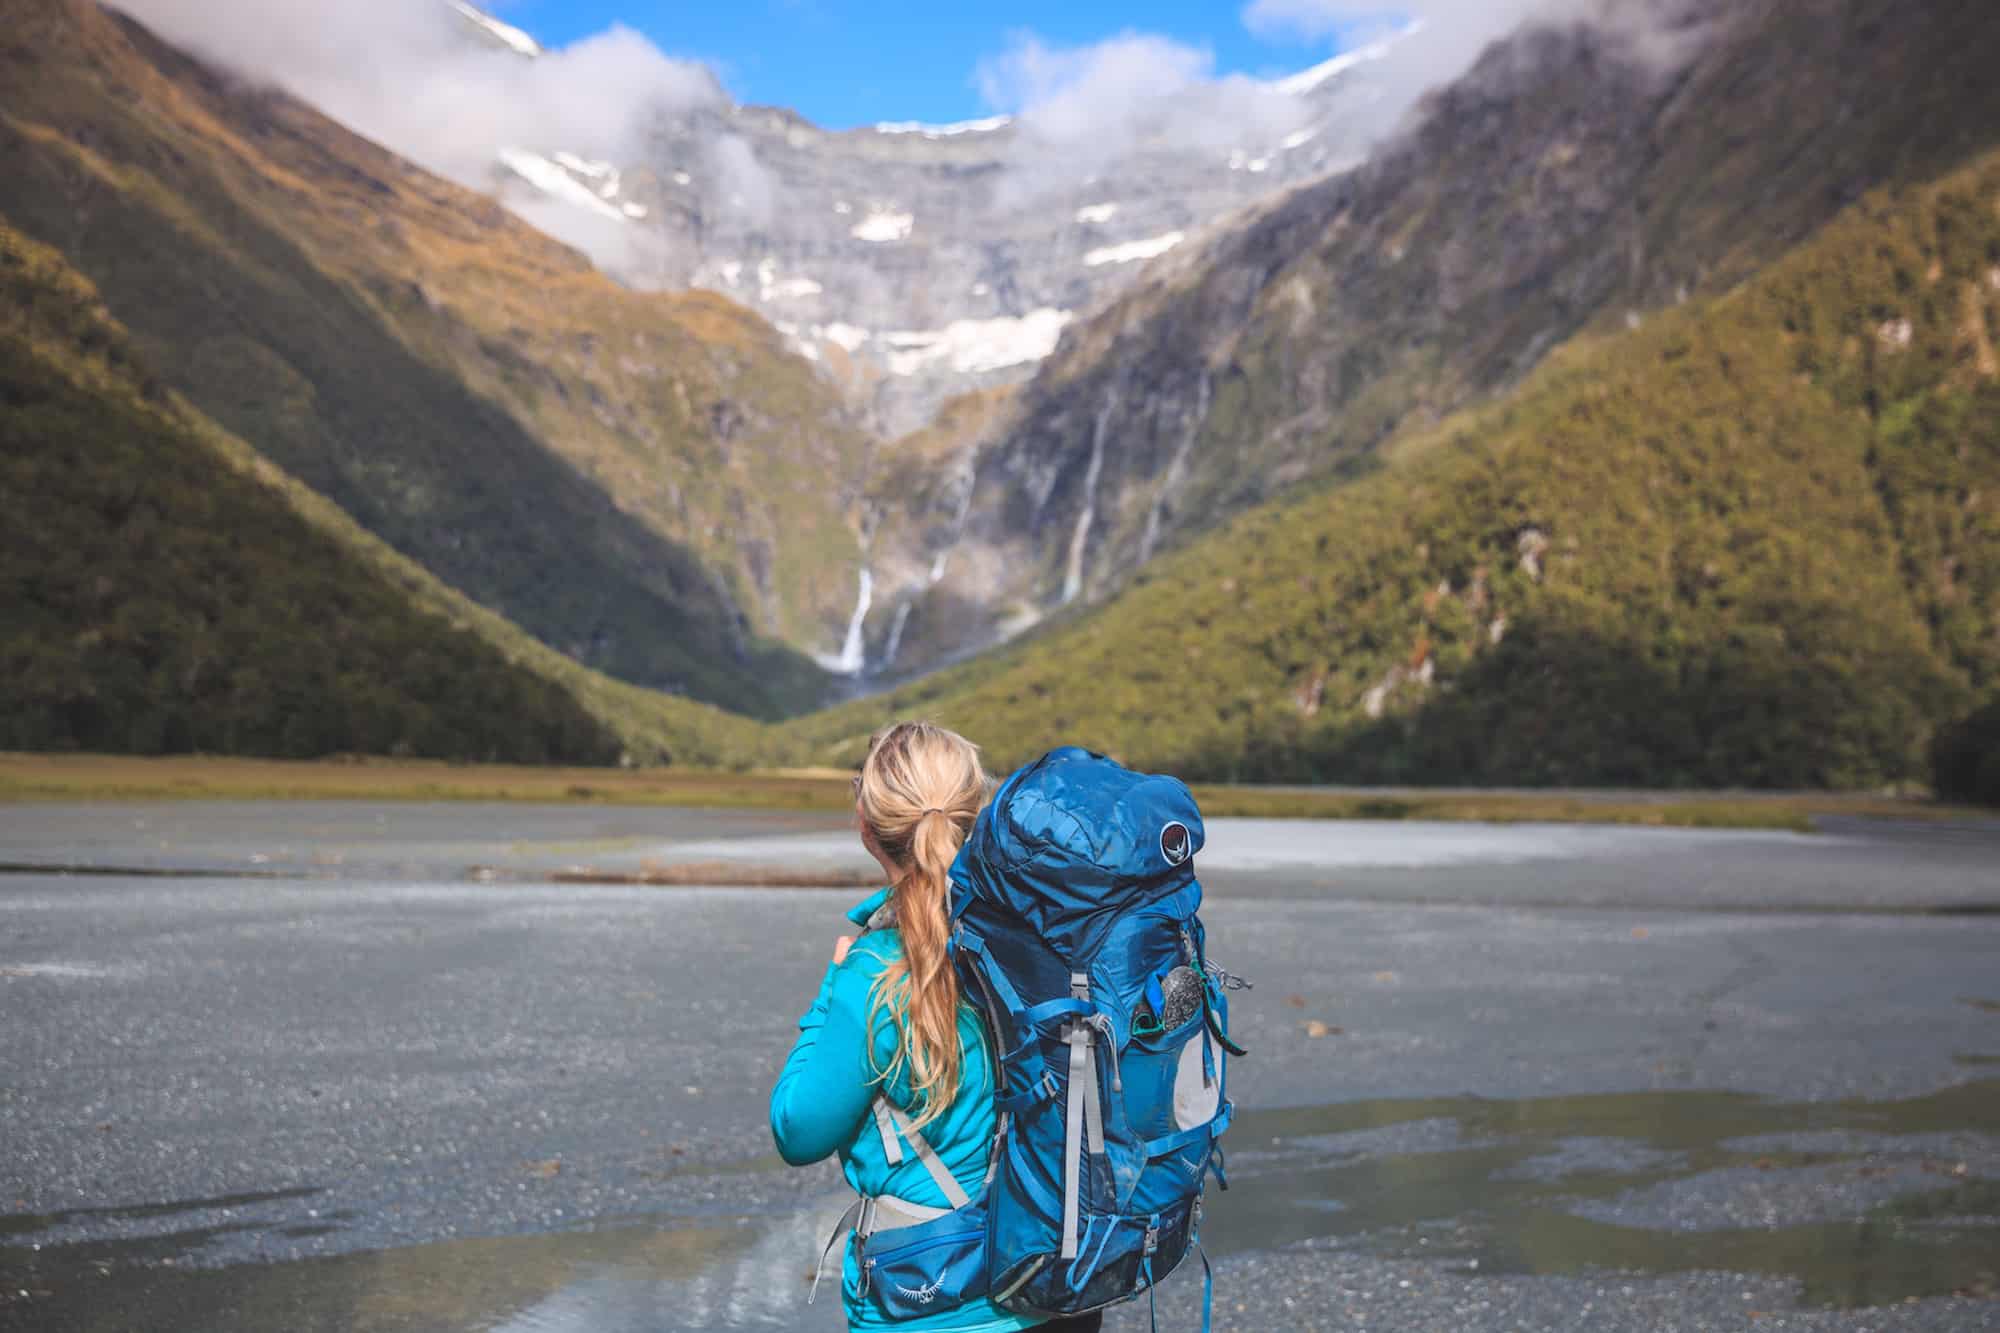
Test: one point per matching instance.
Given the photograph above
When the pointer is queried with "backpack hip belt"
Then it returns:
(875, 1214)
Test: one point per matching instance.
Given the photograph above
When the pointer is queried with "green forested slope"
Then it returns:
(1571, 180)
(1755, 541)
(164, 590)
(636, 479)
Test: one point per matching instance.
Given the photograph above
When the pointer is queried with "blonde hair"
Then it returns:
(918, 792)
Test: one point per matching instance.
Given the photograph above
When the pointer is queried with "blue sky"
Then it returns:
(849, 62)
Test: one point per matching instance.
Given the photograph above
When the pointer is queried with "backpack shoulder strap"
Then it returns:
(891, 1122)
(892, 1147)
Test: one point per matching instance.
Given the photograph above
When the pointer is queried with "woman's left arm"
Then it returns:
(828, 1082)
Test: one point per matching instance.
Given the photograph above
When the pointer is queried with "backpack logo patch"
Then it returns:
(923, 1295)
(1175, 843)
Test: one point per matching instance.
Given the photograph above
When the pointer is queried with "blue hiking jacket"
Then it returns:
(822, 1103)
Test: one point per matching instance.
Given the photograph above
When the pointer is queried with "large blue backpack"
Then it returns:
(1074, 931)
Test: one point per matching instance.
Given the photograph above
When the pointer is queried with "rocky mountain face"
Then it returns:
(914, 261)
(1210, 318)
(1754, 541)
(653, 484)
(1577, 179)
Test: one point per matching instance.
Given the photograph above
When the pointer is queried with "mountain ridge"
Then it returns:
(468, 388)
(1566, 183)
(1752, 542)
(916, 262)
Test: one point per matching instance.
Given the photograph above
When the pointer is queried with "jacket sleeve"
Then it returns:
(829, 1080)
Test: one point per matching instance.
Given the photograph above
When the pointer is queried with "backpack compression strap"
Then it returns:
(1083, 1117)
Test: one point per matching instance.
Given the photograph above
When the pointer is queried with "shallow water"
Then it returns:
(1501, 1198)
(1487, 1187)
(429, 1102)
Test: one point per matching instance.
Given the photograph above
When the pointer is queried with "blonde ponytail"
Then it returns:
(920, 789)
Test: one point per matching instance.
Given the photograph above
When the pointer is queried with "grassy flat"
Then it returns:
(81, 777)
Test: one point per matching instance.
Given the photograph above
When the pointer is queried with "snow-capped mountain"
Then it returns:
(916, 261)
(485, 26)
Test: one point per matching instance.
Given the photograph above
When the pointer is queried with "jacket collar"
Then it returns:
(873, 912)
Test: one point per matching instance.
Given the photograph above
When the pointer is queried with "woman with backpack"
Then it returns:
(893, 1068)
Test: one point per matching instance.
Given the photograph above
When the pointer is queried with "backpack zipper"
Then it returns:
(1027, 1274)
(955, 1238)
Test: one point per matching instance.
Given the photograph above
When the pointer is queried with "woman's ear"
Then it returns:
(874, 849)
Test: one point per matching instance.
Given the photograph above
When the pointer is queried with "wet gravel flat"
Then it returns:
(1561, 1076)
(1317, 1287)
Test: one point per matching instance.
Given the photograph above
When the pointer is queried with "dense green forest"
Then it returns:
(164, 590)
(1966, 757)
(1755, 541)
(158, 601)
(591, 462)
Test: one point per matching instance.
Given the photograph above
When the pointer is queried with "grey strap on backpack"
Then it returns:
(891, 1122)
(840, 1228)
(1083, 1116)
(892, 1147)
(865, 1217)
(868, 1215)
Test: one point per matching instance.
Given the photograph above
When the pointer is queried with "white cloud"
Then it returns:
(1315, 20)
(1427, 43)
(1069, 93)
(410, 75)
(748, 187)
(1077, 109)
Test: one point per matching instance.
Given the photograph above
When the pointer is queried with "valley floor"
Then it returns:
(1529, 1077)
(92, 777)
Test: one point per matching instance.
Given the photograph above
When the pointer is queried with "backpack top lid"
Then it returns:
(1074, 836)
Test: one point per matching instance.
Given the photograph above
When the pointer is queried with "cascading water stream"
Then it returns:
(1176, 470)
(1079, 541)
(853, 655)
(895, 643)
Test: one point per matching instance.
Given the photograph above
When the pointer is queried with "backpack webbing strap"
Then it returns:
(1152, 1149)
(892, 1147)
(1081, 1115)
(1069, 1005)
(840, 1228)
(886, 1212)
(921, 1146)
(1079, 1067)
(1003, 989)
(1207, 1287)
(1093, 1101)
(1038, 1091)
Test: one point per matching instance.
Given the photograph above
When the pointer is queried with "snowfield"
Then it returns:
(883, 226)
(1133, 250)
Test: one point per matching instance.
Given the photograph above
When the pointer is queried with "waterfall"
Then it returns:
(1176, 470)
(853, 655)
(896, 633)
(1079, 540)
